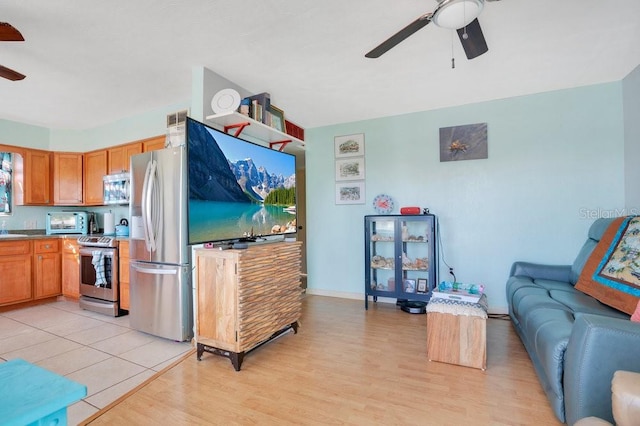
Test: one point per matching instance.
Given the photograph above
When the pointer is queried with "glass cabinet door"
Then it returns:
(415, 257)
(382, 258)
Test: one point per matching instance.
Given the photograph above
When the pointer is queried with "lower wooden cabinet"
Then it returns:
(70, 268)
(15, 272)
(47, 273)
(246, 297)
(123, 252)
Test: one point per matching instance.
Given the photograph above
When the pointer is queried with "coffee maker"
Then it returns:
(93, 224)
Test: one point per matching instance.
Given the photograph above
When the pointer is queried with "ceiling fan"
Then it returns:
(9, 33)
(460, 15)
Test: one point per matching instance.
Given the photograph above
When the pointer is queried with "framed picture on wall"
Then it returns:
(350, 168)
(350, 192)
(349, 145)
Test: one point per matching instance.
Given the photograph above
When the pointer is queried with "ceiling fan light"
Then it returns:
(454, 14)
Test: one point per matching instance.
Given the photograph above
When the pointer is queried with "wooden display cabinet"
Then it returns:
(245, 298)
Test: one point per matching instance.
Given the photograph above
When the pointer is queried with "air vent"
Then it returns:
(177, 118)
(176, 128)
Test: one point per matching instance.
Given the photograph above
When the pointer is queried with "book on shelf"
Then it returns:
(260, 105)
(458, 291)
(294, 130)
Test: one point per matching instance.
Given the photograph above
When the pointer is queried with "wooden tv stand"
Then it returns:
(245, 298)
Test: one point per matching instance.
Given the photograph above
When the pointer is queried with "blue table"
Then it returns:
(31, 395)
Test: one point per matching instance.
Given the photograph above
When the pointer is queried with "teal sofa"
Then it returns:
(575, 342)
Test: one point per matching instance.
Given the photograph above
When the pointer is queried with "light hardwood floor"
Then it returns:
(345, 366)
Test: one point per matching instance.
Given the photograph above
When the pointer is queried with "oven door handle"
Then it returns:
(89, 251)
(154, 270)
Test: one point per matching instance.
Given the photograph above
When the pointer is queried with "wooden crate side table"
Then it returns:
(457, 332)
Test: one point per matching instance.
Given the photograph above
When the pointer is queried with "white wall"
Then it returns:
(631, 86)
(556, 161)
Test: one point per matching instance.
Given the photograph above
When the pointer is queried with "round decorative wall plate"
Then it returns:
(383, 204)
(226, 100)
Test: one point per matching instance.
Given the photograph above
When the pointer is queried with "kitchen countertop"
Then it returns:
(36, 234)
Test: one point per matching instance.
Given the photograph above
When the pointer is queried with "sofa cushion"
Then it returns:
(579, 302)
(549, 330)
(529, 298)
(609, 274)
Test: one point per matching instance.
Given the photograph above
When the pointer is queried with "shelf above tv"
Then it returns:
(250, 127)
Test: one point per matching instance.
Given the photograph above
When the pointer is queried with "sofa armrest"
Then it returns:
(544, 272)
(597, 348)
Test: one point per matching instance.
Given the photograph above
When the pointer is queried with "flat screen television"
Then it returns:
(238, 190)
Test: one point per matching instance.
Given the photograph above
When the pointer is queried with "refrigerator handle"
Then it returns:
(154, 271)
(149, 238)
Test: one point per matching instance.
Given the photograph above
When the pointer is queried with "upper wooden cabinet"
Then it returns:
(153, 144)
(95, 167)
(34, 171)
(67, 178)
(120, 156)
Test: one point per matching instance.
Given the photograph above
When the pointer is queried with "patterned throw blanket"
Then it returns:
(97, 260)
(612, 272)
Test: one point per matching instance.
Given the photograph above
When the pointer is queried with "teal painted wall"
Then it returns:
(631, 90)
(145, 125)
(19, 134)
(556, 161)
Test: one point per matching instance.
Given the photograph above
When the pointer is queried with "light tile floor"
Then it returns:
(99, 351)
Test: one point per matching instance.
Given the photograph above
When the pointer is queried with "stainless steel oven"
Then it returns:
(99, 283)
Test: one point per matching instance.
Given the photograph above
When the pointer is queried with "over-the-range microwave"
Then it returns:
(72, 222)
(117, 188)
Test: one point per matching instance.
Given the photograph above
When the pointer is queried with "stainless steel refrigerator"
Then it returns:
(161, 298)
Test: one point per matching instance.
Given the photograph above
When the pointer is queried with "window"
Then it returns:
(6, 175)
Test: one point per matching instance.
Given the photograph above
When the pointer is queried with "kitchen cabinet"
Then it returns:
(154, 143)
(70, 268)
(400, 257)
(120, 156)
(15, 270)
(246, 297)
(123, 252)
(95, 167)
(67, 178)
(33, 174)
(47, 273)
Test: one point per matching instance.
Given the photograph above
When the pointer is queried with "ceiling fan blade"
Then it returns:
(472, 40)
(9, 33)
(10, 74)
(400, 36)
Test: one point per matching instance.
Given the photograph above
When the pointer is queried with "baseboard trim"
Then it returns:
(497, 310)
